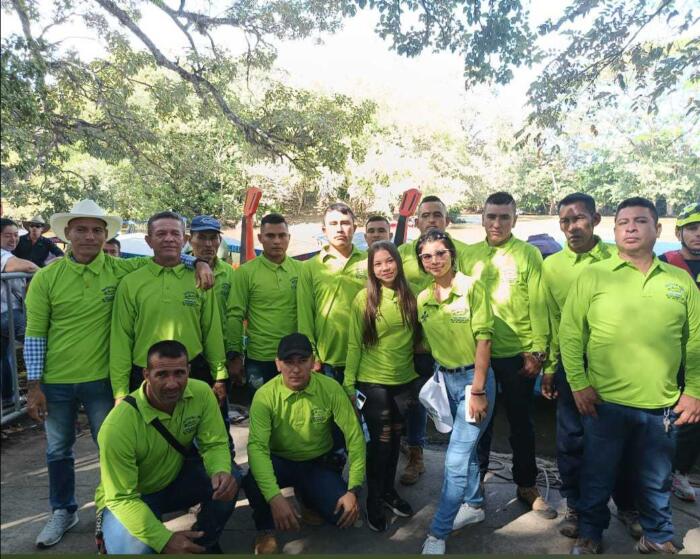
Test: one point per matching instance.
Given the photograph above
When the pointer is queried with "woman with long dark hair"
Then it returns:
(379, 373)
(458, 323)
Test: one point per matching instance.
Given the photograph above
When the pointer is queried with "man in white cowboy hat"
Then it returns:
(69, 312)
(34, 246)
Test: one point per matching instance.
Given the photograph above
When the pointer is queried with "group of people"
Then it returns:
(334, 352)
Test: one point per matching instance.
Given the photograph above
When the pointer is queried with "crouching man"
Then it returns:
(164, 449)
(290, 445)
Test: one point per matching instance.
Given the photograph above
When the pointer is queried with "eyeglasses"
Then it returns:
(438, 254)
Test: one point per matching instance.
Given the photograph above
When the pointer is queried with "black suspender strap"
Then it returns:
(162, 429)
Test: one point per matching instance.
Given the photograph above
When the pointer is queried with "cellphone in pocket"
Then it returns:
(467, 394)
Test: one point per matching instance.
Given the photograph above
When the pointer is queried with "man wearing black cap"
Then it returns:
(290, 443)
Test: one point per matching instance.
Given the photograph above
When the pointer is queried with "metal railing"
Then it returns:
(19, 405)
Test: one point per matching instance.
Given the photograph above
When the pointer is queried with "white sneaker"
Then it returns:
(468, 515)
(433, 546)
(681, 488)
(60, 522)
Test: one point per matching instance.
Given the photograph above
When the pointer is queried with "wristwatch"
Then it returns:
(355, 490)
(539, 355)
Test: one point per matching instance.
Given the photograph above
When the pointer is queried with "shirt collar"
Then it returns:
(310, 388)
(617, 262)
(458, 289)
(157, 269)
(505, 246)
(273, 266)
(325, 254)
(600, 251)
(95, 266)
(148, 412)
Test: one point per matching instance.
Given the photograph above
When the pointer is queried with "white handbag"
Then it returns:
(433, 396)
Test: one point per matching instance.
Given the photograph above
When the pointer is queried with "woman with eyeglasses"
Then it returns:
(457, 322)
(379, 374)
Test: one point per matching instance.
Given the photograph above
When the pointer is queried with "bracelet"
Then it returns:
(478, 393)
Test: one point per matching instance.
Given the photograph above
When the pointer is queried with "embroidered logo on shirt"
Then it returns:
(675, 291)
(459, 311)
(320, 415)
(225, 289)
(108, 293)
(189, 425)
(190, 299)
(293, 282)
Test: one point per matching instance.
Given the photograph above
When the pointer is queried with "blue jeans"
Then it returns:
(633, 435)
(62, 402)
(258, 373)
(192, 486)
(337, 373)
(461, 482)
(570, 451)
(315, 484)
(7, 358)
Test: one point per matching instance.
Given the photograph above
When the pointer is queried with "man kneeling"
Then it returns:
(164, 449)
(290, 445)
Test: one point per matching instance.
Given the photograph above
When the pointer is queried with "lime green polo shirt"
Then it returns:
(298, 425)
(154, 304)
(388, 362)
(70, 305)
(135, 459)
(223, 281)
(452, 326)
(417, 279)
(559, 272)
(325, 292)
(512, 276)
(635, 330)
(265, 294)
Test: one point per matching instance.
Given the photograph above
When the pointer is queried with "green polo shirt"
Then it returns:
(388, 362)
(154, 304)
(452, 326)
(559, 272)
(635, 330)
(70, 305)
(417, 279)
(298, 425)
(223, 281)
(135, 459)
(265, 294)
(512, 276)
(327, 287)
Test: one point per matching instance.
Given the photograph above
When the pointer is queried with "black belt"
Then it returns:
(457, 370)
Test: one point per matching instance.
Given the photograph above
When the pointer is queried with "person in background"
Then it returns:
(688, 259)
(112, 247)
(150, 466)
(636, 319)
(511, 271)
(14, 290)
(379, 373)
(34, 246)
(290, 444)
(377, 228)
(577, 219)
(430, 214)
(458, 324)
(264, 292)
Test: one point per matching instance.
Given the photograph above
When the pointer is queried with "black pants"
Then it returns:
(383, 412)
(516, 395)
(199, 369)
(687, 440)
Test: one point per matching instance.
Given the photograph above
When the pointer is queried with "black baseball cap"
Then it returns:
(294, 344)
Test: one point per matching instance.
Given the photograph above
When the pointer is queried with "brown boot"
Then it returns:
(667, 548)
(531, 497)
(415, 466)
(266, 544)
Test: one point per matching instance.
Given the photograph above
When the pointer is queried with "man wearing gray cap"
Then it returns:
(290, 443)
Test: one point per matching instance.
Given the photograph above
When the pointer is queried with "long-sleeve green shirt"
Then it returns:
(634, 329)
(512, 276)
(265, 294)
(453, 326)
(70, 305)
(223, 280)
(154, 304)
(559, 272)
(417, 279)
(297, 425)
(135, 459)
(388, 362)
(325, 292)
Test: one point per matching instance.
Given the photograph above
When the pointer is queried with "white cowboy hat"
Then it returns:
(85, 208)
